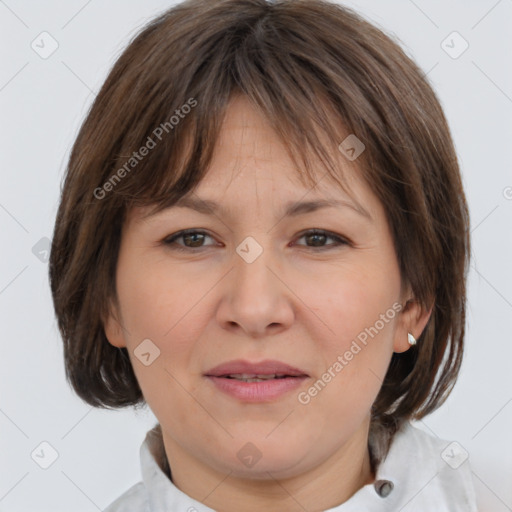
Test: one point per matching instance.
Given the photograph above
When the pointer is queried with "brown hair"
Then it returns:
(307, 65)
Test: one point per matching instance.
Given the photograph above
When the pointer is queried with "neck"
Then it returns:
(325, 486)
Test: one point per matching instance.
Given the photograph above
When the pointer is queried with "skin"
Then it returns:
(295, 303)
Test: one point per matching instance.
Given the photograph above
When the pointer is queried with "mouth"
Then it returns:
(246, 377)
(268, 369)
(256, 382)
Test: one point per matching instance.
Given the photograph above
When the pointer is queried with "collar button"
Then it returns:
(383, 488)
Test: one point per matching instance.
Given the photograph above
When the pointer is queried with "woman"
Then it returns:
(264, 237)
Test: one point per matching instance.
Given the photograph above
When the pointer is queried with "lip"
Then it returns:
(267, 367)
(264, 391)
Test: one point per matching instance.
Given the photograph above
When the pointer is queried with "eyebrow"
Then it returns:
(292, 209)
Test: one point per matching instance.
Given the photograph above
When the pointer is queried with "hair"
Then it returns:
(308, 66)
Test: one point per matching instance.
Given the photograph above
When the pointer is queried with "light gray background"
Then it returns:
(43, 102)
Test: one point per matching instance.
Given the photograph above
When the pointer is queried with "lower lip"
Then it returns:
(257, 391)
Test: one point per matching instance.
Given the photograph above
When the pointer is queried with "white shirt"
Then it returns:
(420, 474)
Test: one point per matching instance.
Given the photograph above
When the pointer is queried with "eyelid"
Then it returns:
(340, 240)
(170, 239)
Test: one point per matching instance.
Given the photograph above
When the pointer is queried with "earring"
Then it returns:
(411, 339)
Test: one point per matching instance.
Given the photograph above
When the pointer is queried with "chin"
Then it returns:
(255, 457)
(265, 468)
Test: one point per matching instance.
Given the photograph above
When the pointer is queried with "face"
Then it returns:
(313, 294)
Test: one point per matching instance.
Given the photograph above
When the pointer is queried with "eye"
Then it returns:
(316, 238)
(192, 239)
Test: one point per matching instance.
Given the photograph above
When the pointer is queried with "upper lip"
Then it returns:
(267, 367)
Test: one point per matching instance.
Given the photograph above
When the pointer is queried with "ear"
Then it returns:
(413, 319)
(114, 331)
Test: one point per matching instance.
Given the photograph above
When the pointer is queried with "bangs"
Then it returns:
(180, 119)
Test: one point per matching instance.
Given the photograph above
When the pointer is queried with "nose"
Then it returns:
(256, 300)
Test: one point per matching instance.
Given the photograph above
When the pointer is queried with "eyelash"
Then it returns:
(170, 240)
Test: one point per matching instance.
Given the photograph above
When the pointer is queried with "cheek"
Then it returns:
(351, 300)
(357, 306)
(355, 360)
(159, 304)
(159, 300)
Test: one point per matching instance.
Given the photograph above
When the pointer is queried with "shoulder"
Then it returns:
(135, 499)
(429, 472)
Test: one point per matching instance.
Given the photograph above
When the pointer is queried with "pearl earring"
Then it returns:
(411, 339)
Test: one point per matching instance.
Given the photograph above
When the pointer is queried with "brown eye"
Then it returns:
(192, 239)
(318, 238)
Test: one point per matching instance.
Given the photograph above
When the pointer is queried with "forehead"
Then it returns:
(249, 152)
(250, 161)
(248, 148)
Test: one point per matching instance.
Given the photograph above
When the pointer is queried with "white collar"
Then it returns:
(414, 471)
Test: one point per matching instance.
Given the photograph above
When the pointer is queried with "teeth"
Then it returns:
(251, 377)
